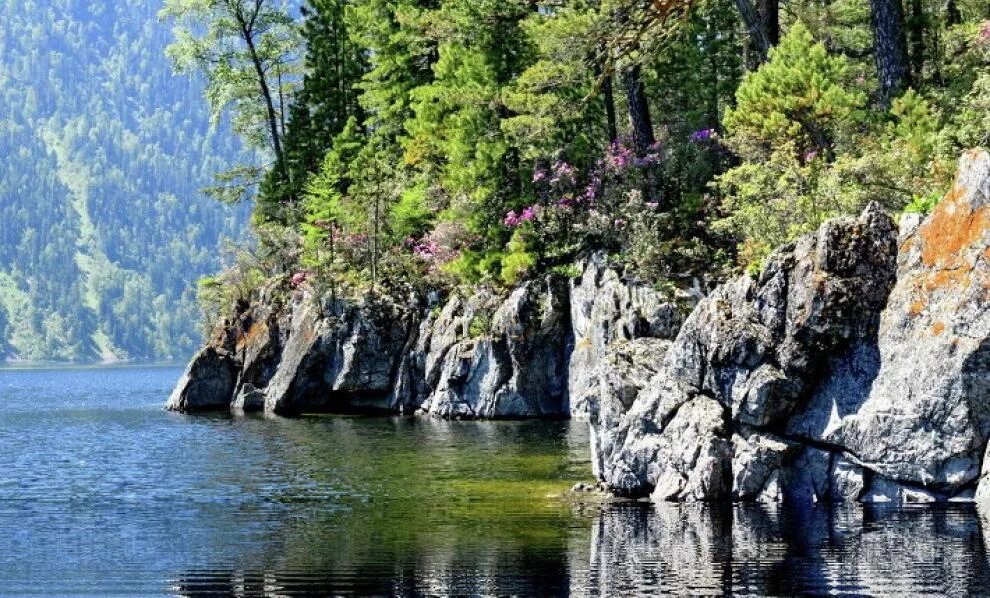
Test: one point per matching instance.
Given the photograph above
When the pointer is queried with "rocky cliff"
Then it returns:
(524, 354)
(855, 367)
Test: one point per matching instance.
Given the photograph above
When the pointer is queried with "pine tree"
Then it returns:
(328, 98)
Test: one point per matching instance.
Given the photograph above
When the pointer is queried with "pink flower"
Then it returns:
(528, 215)
(511, 219)
(539, 175)
(811, 155)
(562, 172)
(299, 278)
(652, 205)
(619, 223)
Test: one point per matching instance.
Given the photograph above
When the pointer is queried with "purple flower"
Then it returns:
(985, 33)
(619, 223)
(562, 172)
(702, 135)
(528, 215)
(652, 205)
(539, 175)
(511, 219)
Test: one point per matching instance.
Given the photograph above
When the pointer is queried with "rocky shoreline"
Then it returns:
(854, 367)
(523, 355)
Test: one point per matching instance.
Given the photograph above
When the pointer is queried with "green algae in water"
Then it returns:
(421, 486)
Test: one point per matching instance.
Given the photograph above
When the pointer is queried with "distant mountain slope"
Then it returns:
(103, 231)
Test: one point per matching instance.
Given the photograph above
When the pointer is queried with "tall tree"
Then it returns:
(455, 139)
(333, 68)
(890, 48)
(759, 23)
(247, 50)
(917, 24)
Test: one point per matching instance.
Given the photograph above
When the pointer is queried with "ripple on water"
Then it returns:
(101, 492)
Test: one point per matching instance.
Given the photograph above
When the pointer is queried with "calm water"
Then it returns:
(101, 492)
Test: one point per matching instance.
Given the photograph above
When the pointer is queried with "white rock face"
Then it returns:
(925, 417)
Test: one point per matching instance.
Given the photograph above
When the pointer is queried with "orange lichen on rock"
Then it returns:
(918, 306)
(938, 328)
(256, 330)
(953, 227)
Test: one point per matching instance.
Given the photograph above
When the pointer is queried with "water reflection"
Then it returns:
(757, 550)
(640, 550)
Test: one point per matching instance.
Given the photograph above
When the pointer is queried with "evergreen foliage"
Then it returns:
(488, 141)
(103, 231)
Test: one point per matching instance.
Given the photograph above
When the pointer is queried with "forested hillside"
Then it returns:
(445, 144)
(103, 229)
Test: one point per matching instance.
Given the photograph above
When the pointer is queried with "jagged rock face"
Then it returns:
(606, 309)
(611, 387)
(925, 418)
(512, 363)
(855, 368)
(746, 357)
(480, 357)
(342, 362)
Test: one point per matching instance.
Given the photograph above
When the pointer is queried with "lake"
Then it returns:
(104, 493)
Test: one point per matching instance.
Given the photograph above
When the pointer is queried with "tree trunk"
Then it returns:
(952, 14)
(608, 94)
(754, 22)
(639, 110)
(266, 93)
(770, 19)
(916, 25)
(890, 48)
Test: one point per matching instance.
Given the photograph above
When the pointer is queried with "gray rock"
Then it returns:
(342, 362)
(750, 352)
(756, 463)
(249, 399)
(207, 384)
(506, 363)
(605, 309)
(885, 491)
(854, 368)
(925, 418)
(613, 386)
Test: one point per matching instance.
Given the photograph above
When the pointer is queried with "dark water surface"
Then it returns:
(103, 493)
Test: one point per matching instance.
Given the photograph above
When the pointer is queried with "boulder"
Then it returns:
(207, 384)
(747, 356)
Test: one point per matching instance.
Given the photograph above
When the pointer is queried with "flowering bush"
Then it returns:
(575, 209)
